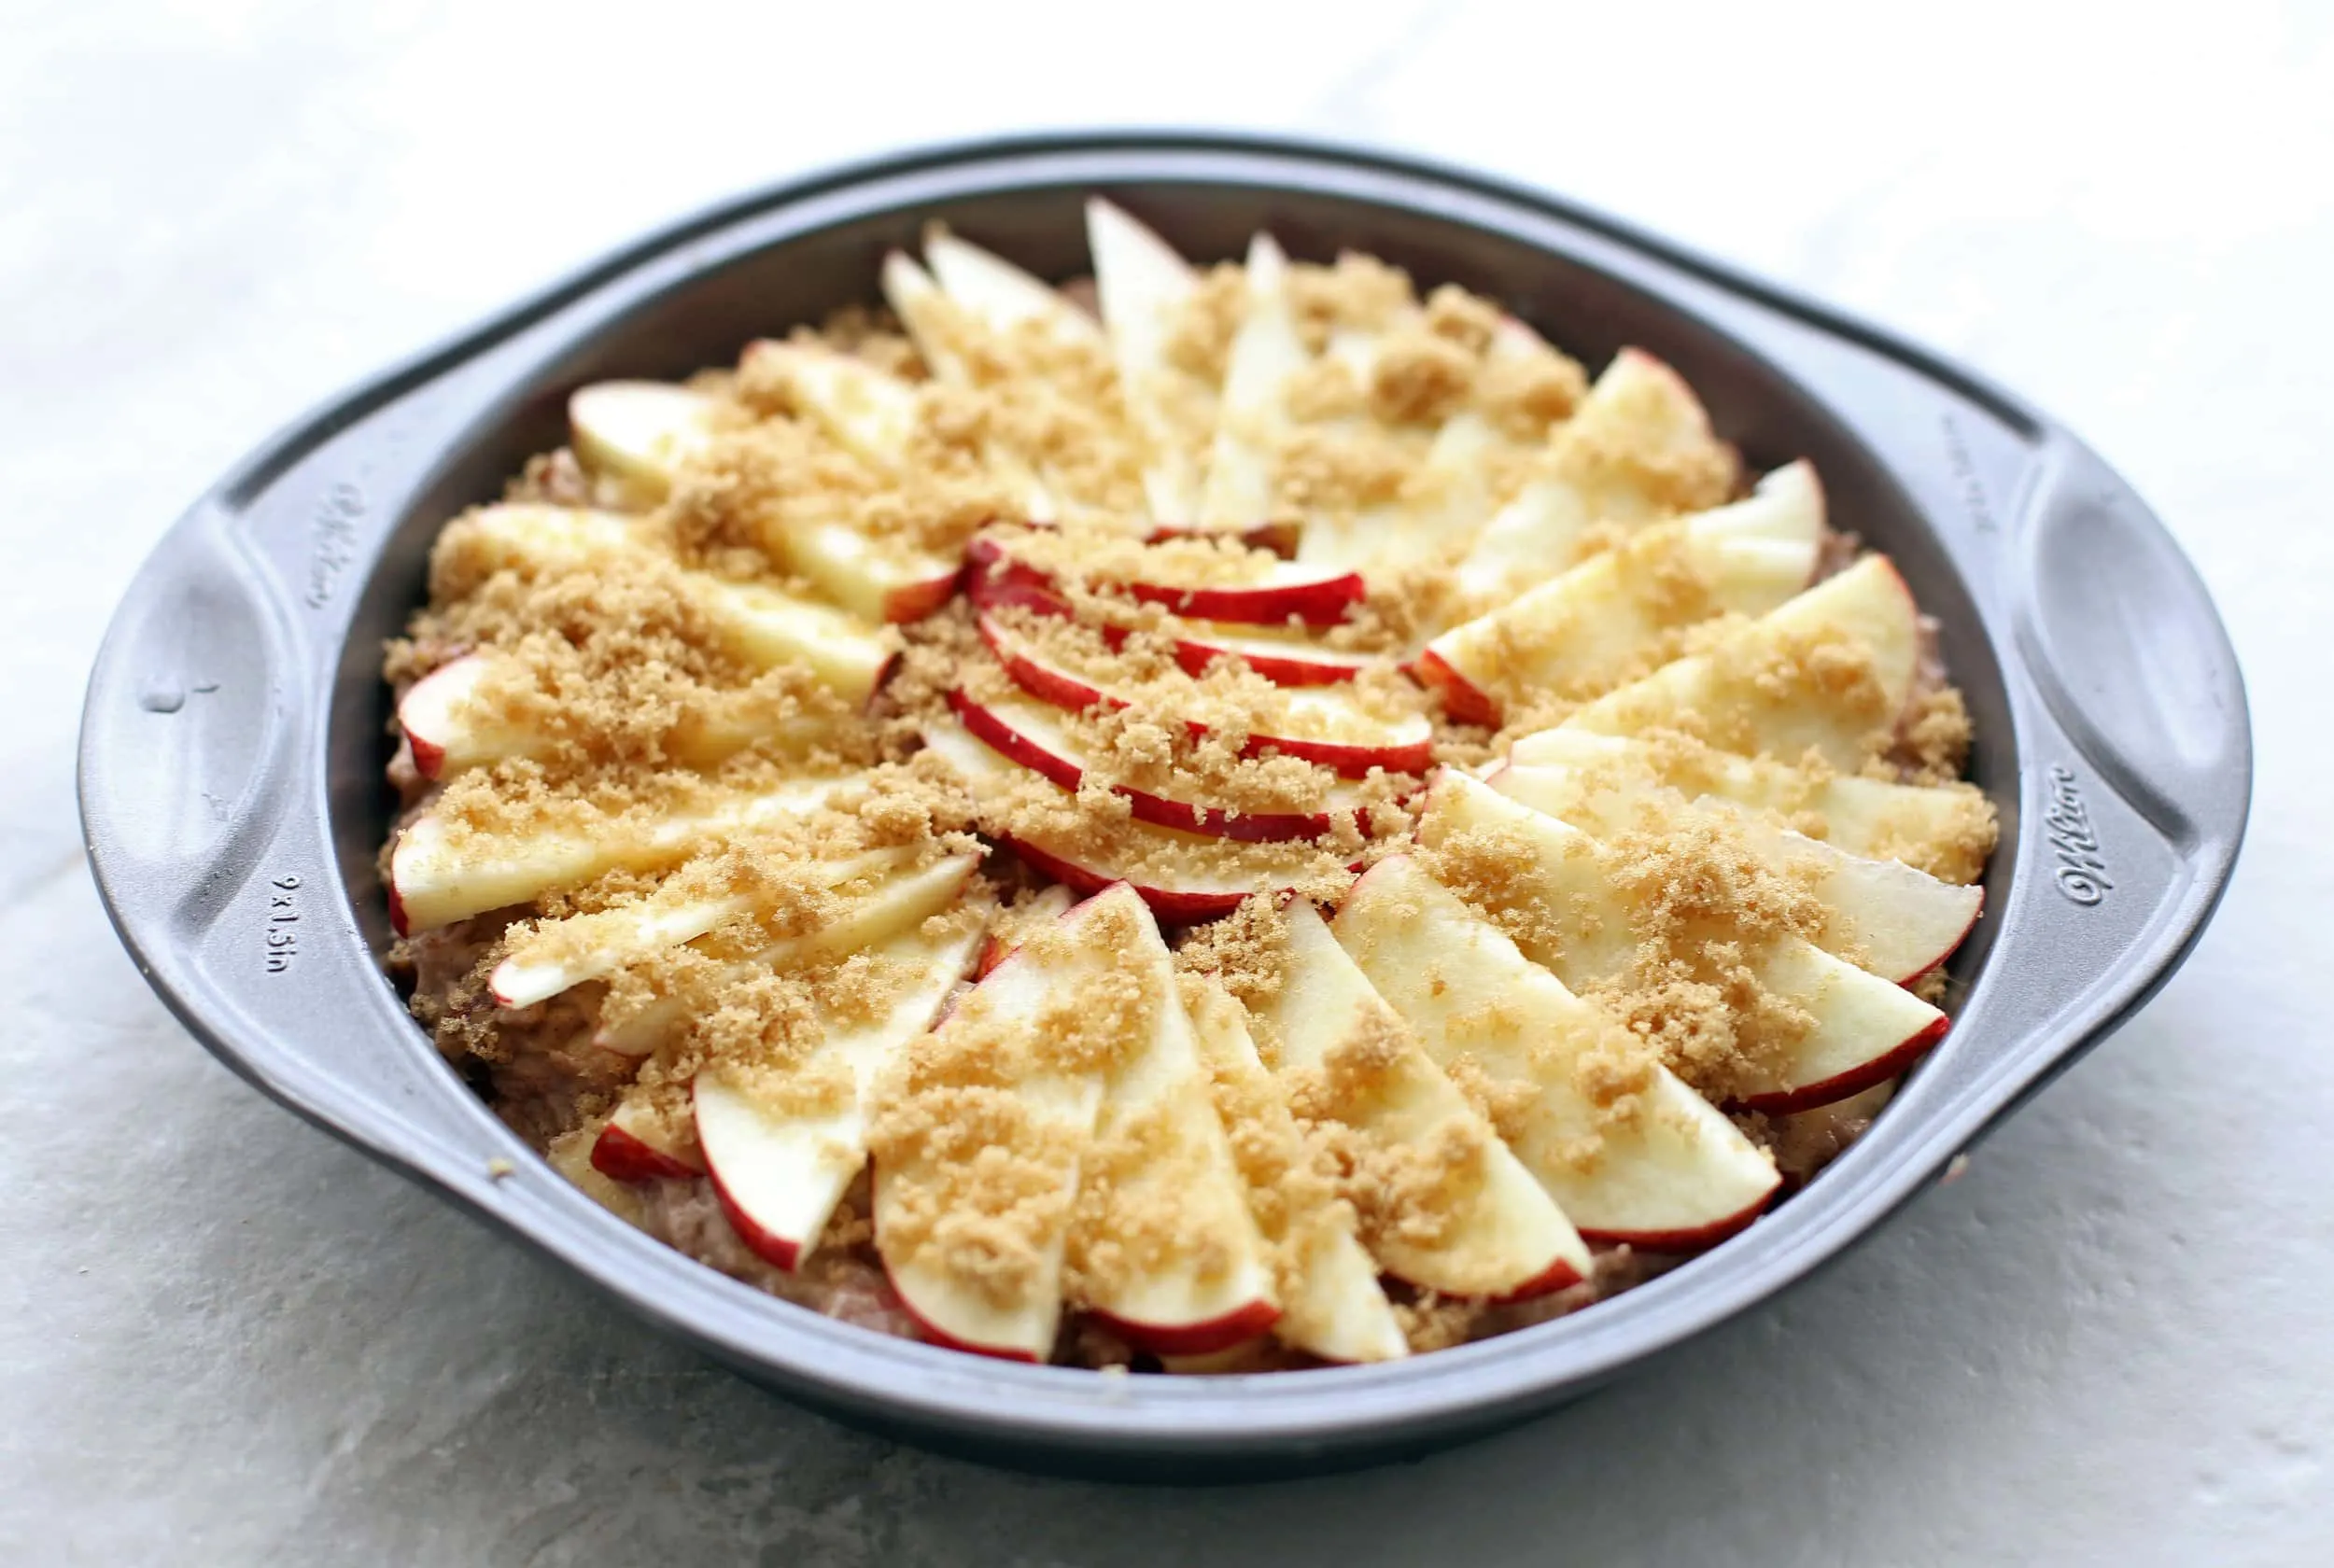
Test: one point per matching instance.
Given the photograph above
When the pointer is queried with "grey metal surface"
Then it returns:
(232, 829)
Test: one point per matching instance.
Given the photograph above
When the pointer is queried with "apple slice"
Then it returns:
(554, 955)
(1165, 1249)
(1575, 634)
(1252, 415)
(1248, 587)
(944, 334)
(879, 578)
(1331, 1304)
(1482, 1226)
(1664, 1171)
(641, 432)
(782, 1145)
(446, 867)
(1145, 288)
(1577, 921)
(895, 903)
(1182, 876)
(1041, 738)
(981, 1142)
(640, 1142)
(760, 625)
(1886, 918)
(1637, 449)
(1323, 725)
(1446, 501)
(1001, 296)
(1284, 658)
(451, 722)
(870, 412)
(1830, 672)
(1946, 831)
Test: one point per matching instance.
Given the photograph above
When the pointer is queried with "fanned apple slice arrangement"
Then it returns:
(1266, 811)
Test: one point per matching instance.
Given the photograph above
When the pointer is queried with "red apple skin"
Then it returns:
(1235, 1327)
(620, 1156)
(915, 600)
(940, 1337)
(1462, 699)
(779, 1252)
(1557, 1276)
(1806, 1097)
(397, 911)
(428, 758)
(1242, 827)
(1976, 912)
(1693, 1241)
(1278, 537)
(1320, 602)
(1193, 655)
(1172, 907)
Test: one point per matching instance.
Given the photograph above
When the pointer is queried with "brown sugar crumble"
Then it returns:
(782, 747)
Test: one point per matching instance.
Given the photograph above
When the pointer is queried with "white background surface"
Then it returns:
(225, 1340)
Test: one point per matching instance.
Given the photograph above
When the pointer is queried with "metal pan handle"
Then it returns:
(2127, 651)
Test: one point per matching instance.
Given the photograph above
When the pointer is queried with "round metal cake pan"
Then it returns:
(233, 740)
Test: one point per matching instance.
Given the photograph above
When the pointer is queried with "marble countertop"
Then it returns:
(224, 1339)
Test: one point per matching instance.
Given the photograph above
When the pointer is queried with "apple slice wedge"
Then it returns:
(1252, 415)
(1637, 449)
(451, 721)
(980, 1140)
(1947, 831)
(1323, 725)
(1145, 288)
(1182, 876)
(951, 341)
(1885, 916)
(879, 578)
(893, 904)
(1041, 738)
(1331, 1303)
(1001, 296)
(1576, 635)
(1575, 918)
(782, 1145)
(1247, 587)
(639, 432)
(1830, 672)
(1165, 1249)
(1482, 1227)
(554, 955)
(445, 867)
(1630, 1153)
(762, 626)
(640, 1142)
(1284, 658)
